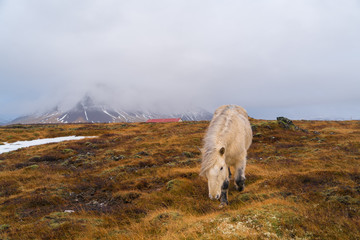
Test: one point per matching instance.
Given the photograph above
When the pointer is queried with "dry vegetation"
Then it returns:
(140, 181)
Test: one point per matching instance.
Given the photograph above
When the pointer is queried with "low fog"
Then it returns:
(294, 58)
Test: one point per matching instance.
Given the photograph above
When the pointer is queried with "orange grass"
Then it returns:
(140, 181)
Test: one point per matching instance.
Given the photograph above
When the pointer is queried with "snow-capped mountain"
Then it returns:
(87, 111)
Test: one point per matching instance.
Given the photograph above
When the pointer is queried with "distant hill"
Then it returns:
(3, 121)
(88, 111)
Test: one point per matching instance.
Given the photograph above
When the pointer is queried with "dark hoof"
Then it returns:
(223, 204)
(240, 184)
(240, 188)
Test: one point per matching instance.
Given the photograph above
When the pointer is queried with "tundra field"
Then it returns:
(141, 181)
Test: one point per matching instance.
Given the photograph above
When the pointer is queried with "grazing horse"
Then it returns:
(226, 142)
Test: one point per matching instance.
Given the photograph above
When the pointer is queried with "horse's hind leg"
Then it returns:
(224, 193)
(240, 174)
(240, 180)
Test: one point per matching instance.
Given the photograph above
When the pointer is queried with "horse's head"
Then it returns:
(217, 174)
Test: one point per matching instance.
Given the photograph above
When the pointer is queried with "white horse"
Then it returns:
(226, 142)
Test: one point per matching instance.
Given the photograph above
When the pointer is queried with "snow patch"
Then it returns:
(108, 113)
(8, 147)
(86, 115)
(61, 119)
(121, 115)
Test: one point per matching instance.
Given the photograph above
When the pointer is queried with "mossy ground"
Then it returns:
(140, 181)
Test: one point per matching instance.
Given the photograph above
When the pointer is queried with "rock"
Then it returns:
(143, 153)
(117, 158)
(285, 122)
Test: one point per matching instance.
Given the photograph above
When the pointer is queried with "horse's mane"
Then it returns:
(216, 132)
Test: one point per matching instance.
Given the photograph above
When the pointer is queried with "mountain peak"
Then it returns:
(89, 111)
(87, 101)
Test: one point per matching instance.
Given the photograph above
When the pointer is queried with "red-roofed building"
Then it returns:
(163, 120)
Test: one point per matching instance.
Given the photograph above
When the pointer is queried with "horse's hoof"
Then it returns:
(240, 188)
(223, 204)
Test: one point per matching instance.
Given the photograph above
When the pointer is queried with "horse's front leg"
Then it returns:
(224, 193)
(240, 174)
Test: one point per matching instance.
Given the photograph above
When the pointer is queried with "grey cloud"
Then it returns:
(264, 55)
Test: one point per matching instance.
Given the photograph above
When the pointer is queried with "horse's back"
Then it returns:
(222, 110)
(235, 118)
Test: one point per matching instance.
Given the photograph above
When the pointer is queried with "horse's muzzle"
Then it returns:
(216, 197)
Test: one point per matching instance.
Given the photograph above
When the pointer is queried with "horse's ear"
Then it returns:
(222, 151)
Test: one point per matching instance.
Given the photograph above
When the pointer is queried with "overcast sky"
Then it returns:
(295, 58)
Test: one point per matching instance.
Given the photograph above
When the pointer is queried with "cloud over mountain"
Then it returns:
(89, 111)
(168, 55)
